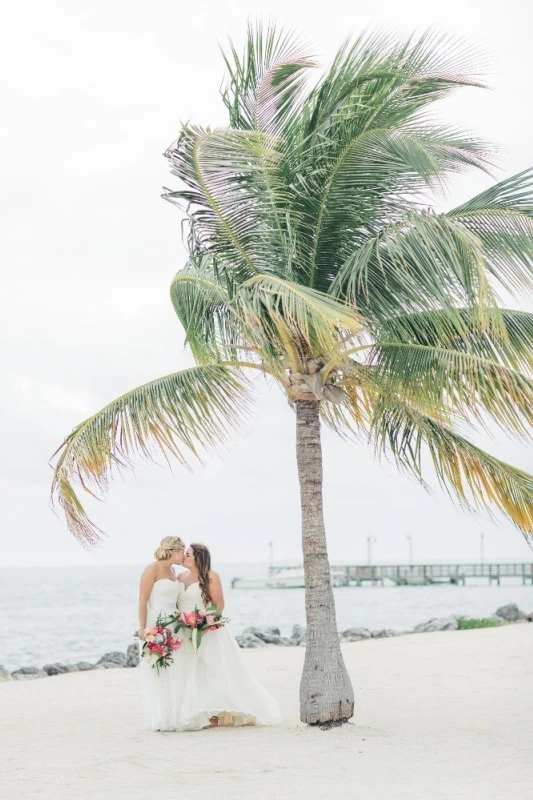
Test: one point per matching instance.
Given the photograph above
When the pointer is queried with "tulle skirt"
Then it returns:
(218, 684)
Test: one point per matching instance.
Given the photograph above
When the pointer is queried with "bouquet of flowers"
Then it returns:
(160, 643)
(197, 622)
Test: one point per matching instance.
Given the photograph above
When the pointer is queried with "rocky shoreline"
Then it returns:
(114, 660)
(506, 615)
(259, 637)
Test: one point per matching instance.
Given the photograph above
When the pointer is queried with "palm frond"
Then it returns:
(475, 478)
(351, 419)
(503, 335)
(382, 73)
(286, 319)
(177, 416)
(502, 219)
(511, 194)
(371, 179)
(365, 145)
(473, 386)
(425, 263)
(202, 302)
(264, 86)
(234, 196)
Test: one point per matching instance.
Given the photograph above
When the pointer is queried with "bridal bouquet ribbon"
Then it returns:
(197, 622)
(160, 644)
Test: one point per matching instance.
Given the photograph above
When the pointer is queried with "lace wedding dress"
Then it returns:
(163, 693)
(217, 680)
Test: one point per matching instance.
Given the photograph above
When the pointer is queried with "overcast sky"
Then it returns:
(92, 95)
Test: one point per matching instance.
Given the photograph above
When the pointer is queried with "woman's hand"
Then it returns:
(141, 632)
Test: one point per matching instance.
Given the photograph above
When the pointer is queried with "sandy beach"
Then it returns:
(438, 715)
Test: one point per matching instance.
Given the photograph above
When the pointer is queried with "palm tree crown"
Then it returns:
(316, 259)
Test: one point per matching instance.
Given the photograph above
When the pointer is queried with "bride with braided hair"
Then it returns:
(219, 689)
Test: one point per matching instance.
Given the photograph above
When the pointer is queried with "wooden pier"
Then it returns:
(422, 574)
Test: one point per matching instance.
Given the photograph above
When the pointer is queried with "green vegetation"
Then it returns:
(466, 624)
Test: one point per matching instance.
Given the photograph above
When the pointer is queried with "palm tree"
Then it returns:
(315, 260)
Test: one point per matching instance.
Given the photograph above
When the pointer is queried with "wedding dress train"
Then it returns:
(217, 680)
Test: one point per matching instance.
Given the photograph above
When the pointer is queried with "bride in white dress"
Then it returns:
(219, 690)
(159, 593)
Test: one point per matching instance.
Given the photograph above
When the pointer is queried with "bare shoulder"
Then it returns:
(151, 569)
(148, 577)
(214, 576)
(185, 575)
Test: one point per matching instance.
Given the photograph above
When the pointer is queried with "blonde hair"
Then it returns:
(167, 546)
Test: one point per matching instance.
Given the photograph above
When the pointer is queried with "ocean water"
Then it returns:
(71, 614)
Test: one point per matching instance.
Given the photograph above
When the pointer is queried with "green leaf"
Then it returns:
(425, 263)
(373, 176)
(511, 194)
(264, 86)
(283, 318)
(177, 416)
(234, 198)
(468, 384)
(475, 478)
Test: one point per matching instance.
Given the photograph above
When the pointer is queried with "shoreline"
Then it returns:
(82, 618)
(254, 638)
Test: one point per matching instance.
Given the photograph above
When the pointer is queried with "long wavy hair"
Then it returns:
(202, 559)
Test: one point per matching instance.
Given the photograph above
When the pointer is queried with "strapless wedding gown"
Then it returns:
(217, 680)
(163, 693)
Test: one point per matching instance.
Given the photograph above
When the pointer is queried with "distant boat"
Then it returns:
(284, 579)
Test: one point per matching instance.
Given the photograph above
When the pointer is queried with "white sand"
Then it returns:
(438, 715)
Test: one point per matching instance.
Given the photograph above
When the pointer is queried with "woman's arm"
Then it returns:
(216, 591)
(145, 588)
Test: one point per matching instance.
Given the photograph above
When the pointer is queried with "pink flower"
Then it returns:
(190, 619)
(213, 628)
(210, 619)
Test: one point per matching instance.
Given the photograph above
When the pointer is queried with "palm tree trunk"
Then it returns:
(326, 693)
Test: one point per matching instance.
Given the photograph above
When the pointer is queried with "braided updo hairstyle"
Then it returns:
(202, 559)
(167, 546)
